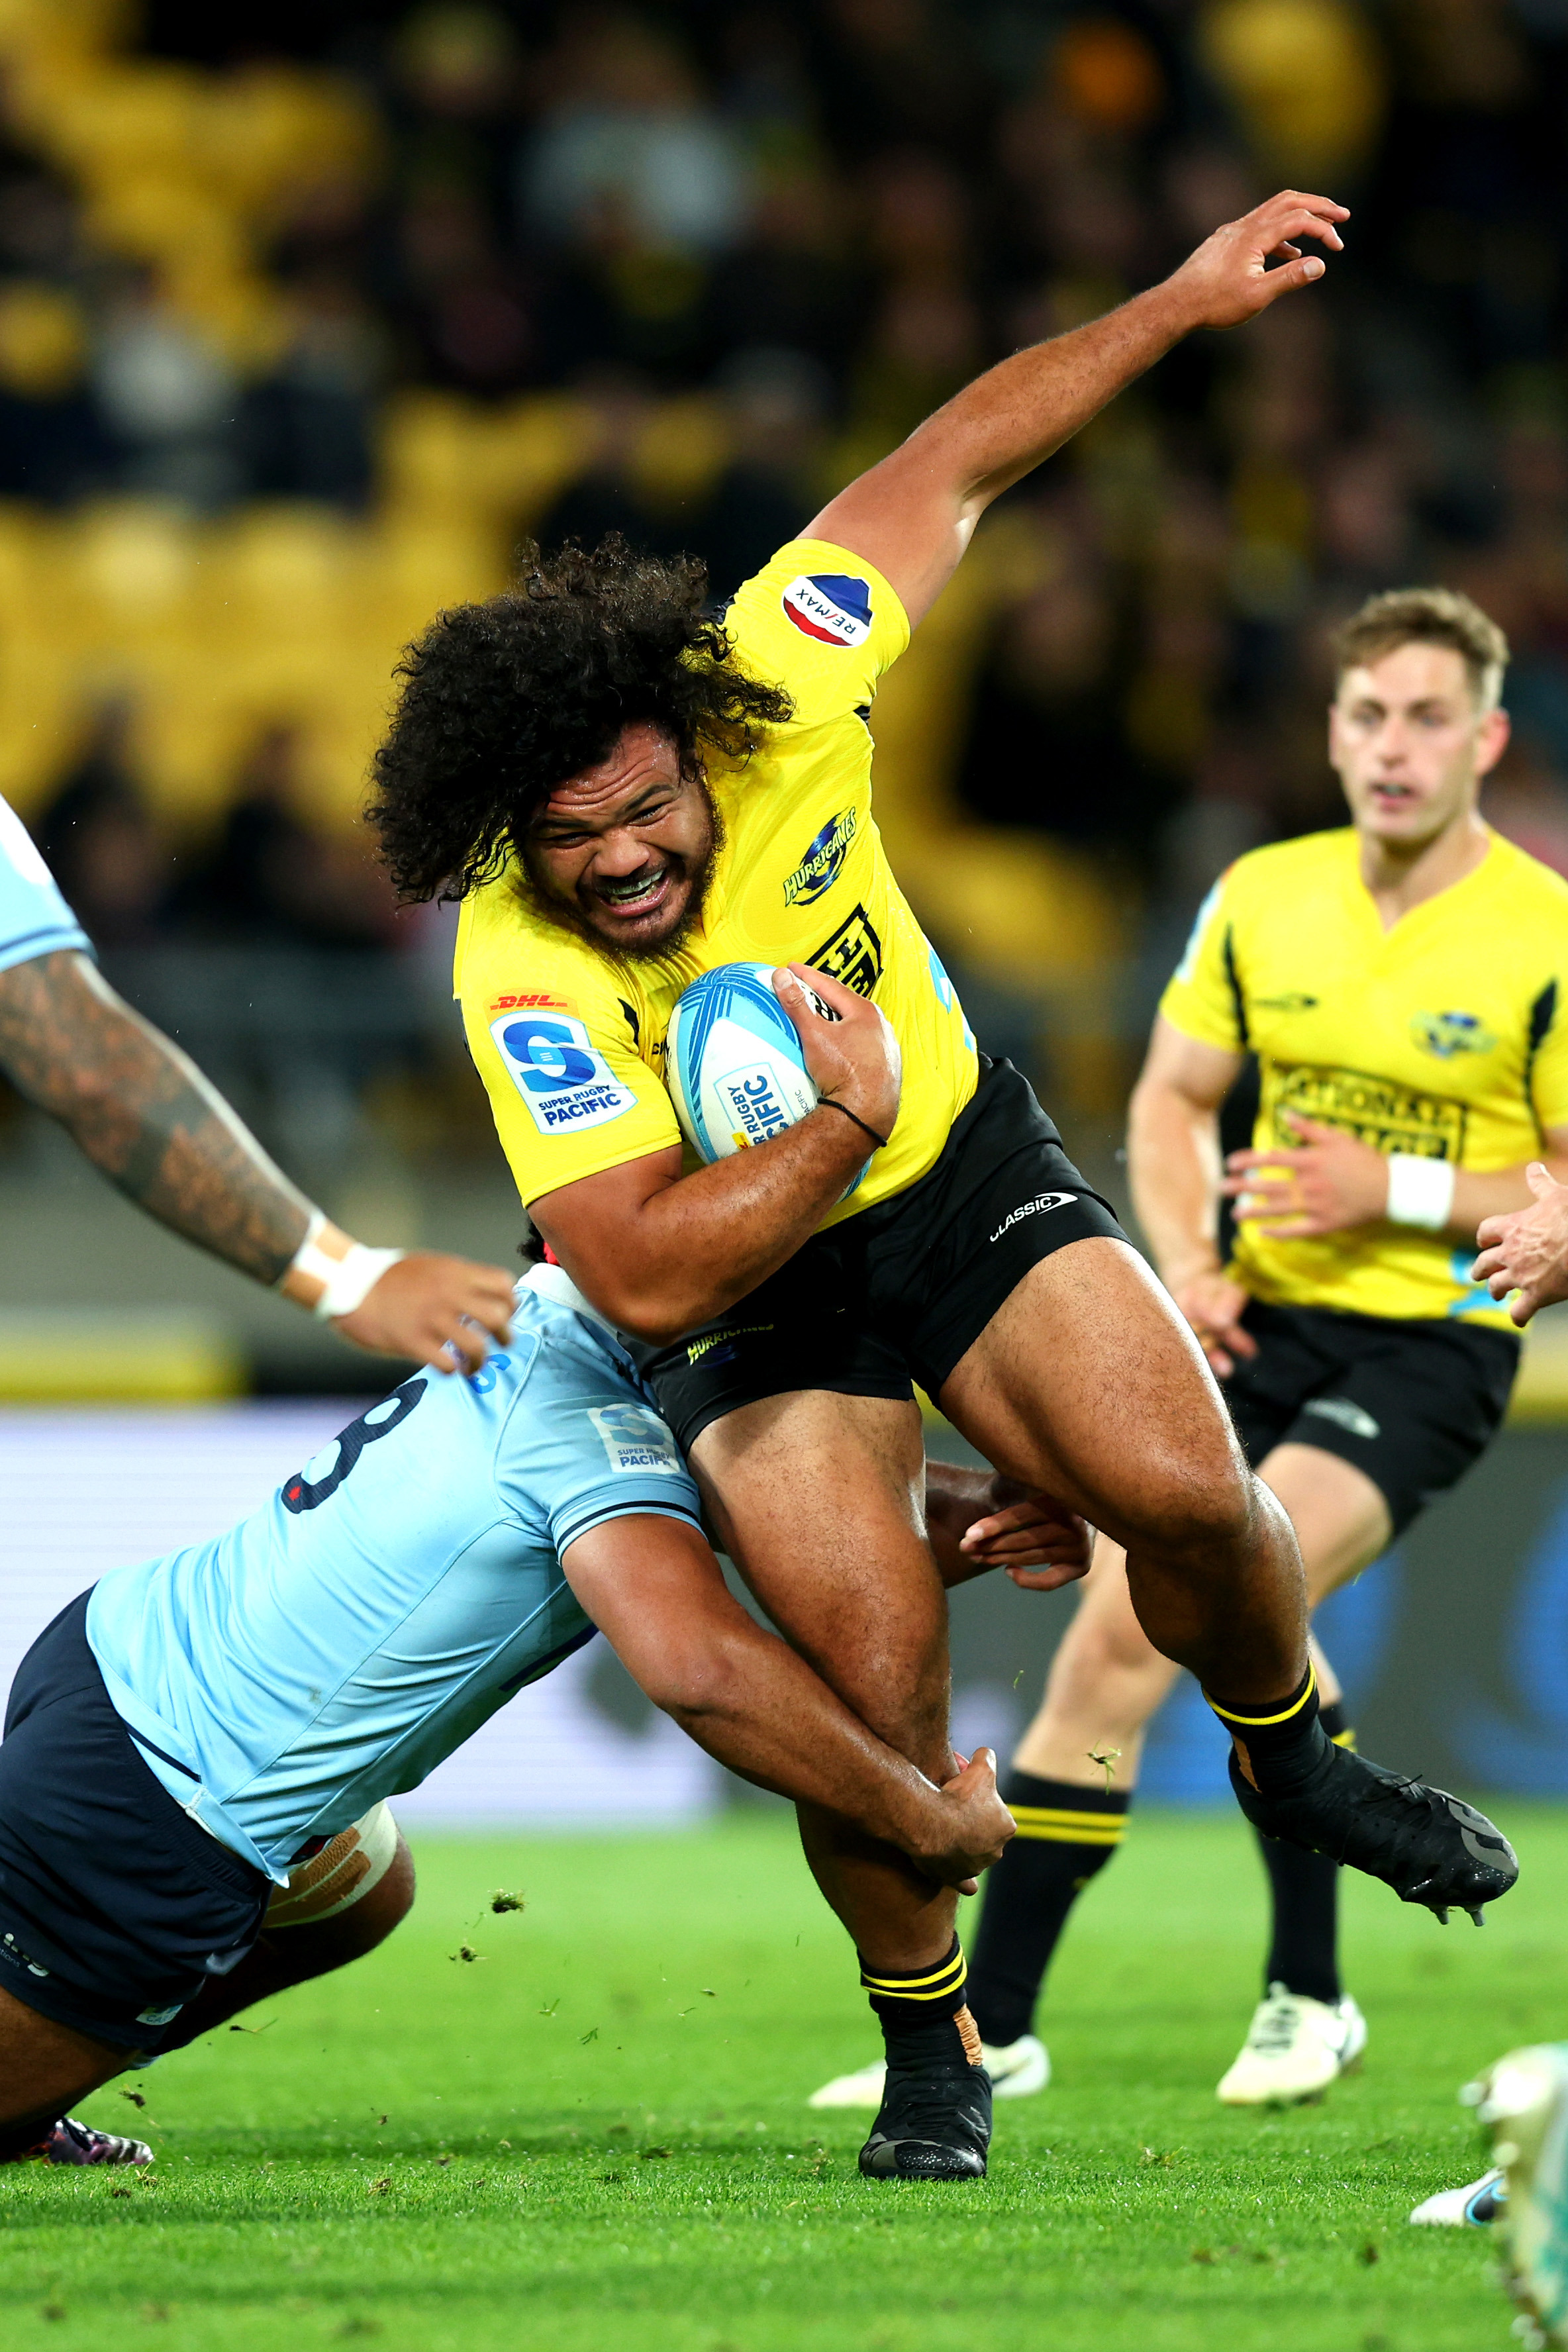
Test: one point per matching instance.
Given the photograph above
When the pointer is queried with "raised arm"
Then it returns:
(654, 1587)
(661, 1253)
(912, 516)
(145, 1116)
(1174, 1161)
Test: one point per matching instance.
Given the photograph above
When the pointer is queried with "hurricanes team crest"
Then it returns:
(831, 607)
(1447, 1034)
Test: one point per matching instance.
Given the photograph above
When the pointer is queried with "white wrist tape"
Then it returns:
(346, 1282)
(1420, 1192)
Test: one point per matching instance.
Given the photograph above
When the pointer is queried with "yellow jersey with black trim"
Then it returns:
(570, 1039)
(1446, 1037)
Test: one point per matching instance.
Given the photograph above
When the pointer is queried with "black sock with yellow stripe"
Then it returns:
(1065, 1835)
(926, 2013)
(1304, 1953)
(1276, 1747)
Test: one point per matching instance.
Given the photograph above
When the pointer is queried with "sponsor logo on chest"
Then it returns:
(1383, 1112)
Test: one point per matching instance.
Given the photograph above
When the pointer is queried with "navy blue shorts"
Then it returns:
(115, 1909)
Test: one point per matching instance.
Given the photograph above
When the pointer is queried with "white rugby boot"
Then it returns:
(1294, 2049)
(1020, 2070)
(1479, 2202)
(1017, 2072)
(1524, 2098)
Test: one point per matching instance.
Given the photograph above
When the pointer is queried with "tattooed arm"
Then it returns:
(145, 1116)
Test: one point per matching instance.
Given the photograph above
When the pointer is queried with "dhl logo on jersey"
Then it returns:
(533, 1000)
(1379, 1111)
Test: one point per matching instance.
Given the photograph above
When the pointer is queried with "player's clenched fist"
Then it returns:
(974, 1822)
(854, 1057)
(1250, 263)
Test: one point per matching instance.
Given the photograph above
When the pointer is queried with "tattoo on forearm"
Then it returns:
(145, 1116)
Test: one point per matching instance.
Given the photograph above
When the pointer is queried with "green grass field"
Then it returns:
(593, 2135)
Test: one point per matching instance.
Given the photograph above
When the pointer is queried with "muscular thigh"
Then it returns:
(1087, 1380)
(819, 1500)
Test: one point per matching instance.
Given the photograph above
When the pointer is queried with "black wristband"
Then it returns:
(826, 1102)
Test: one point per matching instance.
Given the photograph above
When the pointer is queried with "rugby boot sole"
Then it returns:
(934, 2124)
(1430, 1847)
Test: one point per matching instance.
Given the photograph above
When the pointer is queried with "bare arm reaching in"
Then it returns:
(1528, 1251)
(145, 1116)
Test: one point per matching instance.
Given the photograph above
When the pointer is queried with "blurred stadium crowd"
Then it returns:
(309, 315)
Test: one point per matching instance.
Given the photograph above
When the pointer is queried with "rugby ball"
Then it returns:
(733, 1063)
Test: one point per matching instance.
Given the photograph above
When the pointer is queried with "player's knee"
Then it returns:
(1213, 1506)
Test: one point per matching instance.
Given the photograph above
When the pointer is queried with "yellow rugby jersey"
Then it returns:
(570, 1041)
(1446, 1037)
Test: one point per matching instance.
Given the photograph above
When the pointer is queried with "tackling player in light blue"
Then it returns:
(282, 1681)
(333, 1648)
(34, 917)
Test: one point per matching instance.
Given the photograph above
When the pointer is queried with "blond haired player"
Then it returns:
(1401, 981)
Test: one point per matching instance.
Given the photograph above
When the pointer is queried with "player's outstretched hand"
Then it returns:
(442, 1311)
(853, 1055)
(1040, 1542)
(1214, 1306)
(1527, 1251)
(1250, 263)
(974, 1826)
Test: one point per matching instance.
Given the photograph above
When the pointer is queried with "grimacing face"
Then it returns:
(625, 847)
(1410, 745)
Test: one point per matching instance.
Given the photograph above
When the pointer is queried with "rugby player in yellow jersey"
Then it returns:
(1402, 983)
(624, 791)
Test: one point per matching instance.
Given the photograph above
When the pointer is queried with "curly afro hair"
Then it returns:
(502, 701)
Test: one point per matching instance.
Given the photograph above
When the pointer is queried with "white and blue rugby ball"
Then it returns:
(733, 1064)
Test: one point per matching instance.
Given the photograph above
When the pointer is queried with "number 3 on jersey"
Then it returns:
(563, 1077)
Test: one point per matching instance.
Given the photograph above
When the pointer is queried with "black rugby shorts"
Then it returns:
(897, 1294)
(1411, 1403)
(115, 1909)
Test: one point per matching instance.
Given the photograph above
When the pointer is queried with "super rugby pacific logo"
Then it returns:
(1042, 1200)
(831, 607)
(818, 869)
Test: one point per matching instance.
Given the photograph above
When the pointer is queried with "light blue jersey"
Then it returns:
(34, 918)
(335, 1646)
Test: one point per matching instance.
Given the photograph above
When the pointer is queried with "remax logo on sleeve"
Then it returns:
(831, 607)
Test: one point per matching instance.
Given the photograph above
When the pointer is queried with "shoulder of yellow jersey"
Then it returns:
(1307, 859)
(505, 948)
(1527, 882)
(821, 621)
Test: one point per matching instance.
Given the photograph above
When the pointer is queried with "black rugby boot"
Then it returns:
(934, 2122)
(1430, 1847)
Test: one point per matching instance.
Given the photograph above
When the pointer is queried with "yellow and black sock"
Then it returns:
(1303, 1955)
(1065, 1835)
(1276, 1745)
(922, 2012)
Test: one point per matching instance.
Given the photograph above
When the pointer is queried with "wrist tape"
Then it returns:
(1420, 1191)
(347, 1281)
